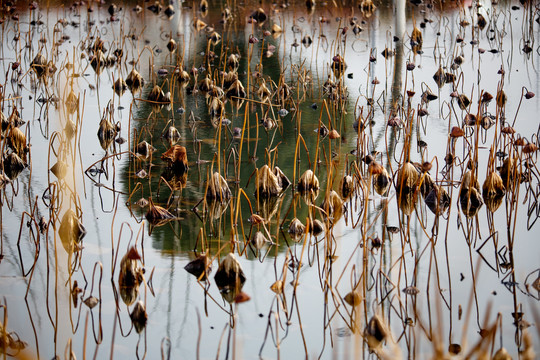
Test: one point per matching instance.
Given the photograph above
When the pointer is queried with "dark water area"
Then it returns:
(182, 219)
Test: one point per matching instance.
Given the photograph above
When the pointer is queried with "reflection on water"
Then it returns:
(277, 180)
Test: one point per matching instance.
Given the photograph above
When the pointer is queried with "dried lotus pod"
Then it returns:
(416, 40)
(199, 25)
(171, 45)
(72, 103)
(502, 354)
(157, 96)
(182, 76)
(510, 173)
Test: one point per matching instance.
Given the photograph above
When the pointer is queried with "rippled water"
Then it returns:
(462, 275)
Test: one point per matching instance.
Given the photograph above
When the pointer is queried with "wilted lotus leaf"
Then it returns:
(259, 240)
(347, 186)
(406, 201)
(502, 354)
(72, 103)
(176, 180)
(130, 276)
(437, 199)
(263, 92)
(218, 189)
(91, 302)
(267, 183)
(338, 66)
(230, 277)
(296, 229)
(176, 158)
(120, 86)
(259, 15)
(134, 81)
(70, 129)
(493, 191)
(217, 109)
(316, 227)
(13, 166)
(367, 7)
(17, 142)
(59, 169)
(333, 206)
(71, 231)
(510, 173)
(39, 65)
(407, 178)
(216, 208)
(233, 63)
(98, 61)
(139, 317)
(463, 101)
(440, 77)
(454, 349)
(3, 179)
(381, 179)
(182, 76)
(277, 287)
(241, 297)
(375, 332)
(106, 133)
(416, 40)
(469, 195)
(200, 267)
(199, 24)
(308, 182)
(206, 84)
(158, 215)
(144, 150)
(236, 90)
(172, 135)
(353, 298)
(157, 96)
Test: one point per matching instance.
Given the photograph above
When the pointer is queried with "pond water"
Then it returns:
(359, 89)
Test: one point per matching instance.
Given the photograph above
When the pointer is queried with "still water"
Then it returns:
(345, 80)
